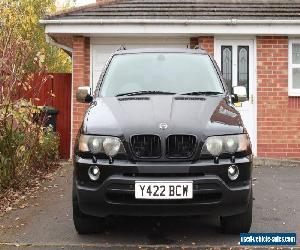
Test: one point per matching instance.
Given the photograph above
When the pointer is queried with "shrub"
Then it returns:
(26, 146)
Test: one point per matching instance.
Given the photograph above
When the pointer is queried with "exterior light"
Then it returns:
(94, 173)
(233, 172)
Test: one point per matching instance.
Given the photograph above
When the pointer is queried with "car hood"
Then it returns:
(126, 116)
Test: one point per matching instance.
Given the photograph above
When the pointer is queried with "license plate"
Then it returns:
(163, 190)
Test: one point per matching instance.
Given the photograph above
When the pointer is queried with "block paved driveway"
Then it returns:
(47, 221)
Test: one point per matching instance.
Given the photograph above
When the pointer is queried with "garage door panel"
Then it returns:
(101, 53)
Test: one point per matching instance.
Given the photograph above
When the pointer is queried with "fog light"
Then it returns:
(94, 173)
(233, 172)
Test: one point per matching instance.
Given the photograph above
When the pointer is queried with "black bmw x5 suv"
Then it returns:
(162, 137)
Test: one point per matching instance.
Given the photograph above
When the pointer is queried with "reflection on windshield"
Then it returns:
(161, 72)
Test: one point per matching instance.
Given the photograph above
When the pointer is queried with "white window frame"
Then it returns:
(292, 91)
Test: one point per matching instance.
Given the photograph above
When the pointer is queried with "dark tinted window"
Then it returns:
(226, 62)
(243, 67)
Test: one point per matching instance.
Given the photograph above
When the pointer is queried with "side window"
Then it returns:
(294, 68)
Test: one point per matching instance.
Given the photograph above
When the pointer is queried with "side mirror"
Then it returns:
(239, 94)
(84, 94)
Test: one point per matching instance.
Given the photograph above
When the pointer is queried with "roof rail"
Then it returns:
(122, 47)
(198, 46)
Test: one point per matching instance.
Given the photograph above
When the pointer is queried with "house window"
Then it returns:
(294, 68)
(226, 65)
(243, 67)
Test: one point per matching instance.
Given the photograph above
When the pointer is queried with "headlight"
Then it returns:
(217, 145)
(95, 144)
(109, 145)
(231, 144)
(214, 145)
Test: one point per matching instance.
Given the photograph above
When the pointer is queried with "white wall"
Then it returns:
(102, 48)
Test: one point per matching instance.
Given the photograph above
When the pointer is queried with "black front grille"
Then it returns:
(180, 146)
(163, 175)
(129, 198)
(118, 192)
(146, 146)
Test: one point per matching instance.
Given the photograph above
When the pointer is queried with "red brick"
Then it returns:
(277, 127)
(205, 42)
(81, 76)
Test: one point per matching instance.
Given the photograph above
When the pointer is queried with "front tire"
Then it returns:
(86, 224)
(239, 223)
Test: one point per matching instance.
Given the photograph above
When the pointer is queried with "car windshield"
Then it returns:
(160, 73)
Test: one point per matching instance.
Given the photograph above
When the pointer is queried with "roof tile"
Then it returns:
(185, 9)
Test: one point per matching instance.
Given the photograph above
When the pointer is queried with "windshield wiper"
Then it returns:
(203, 93)
(146, 92)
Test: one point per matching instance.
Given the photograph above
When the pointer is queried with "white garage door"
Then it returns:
(101, 49)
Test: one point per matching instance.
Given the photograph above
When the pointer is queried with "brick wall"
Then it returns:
(278, 115)
(81, 77)
(205, 42)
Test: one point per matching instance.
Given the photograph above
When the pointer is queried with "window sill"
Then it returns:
(293, 93)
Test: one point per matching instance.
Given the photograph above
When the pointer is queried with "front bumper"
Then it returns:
(114, 193)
